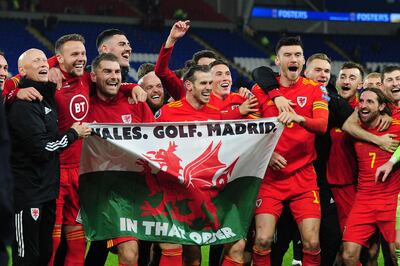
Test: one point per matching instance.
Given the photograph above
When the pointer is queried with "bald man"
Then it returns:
(36, 144)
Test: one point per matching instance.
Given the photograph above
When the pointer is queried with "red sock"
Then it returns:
(228, 261)
(76, 248)
(311, 258)
(261, 257)
(56, 243)
(171, 256)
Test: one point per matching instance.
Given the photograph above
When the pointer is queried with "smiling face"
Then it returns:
(107, 78)
(200, 89)
(33, 65)
(72, 58)
(290, 60)
(348, 82)
(319, 70)
(3, 71)
(154, 89)
(222, 81)
(391, 85)
(120, 47)
(369, 108)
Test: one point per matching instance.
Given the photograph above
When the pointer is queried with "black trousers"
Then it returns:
(33, 234)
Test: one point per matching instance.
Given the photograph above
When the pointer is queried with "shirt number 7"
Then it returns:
(373, 155)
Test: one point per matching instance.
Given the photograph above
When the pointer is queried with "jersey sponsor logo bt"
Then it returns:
(78, 107)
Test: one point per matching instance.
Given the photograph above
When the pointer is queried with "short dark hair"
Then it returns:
(144, 69)
(320, 56)
(349, 65)
(189, 74)
(107, 34)
(203, 53)
(189, 63)
(381, 99)
(103, 57)
(66, 38)
(2, 54)
(288, 41)
(219, 62)
(389, 69)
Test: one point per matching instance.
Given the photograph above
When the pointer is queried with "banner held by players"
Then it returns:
(189, 183)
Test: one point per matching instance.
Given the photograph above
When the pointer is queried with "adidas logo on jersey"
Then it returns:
(47, 110)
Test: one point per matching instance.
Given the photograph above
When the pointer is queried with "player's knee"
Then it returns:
(373, 252)
(128, 252)
(311, 244)
(236, 250)
(264, 242)
(397, 244)
(349, 256)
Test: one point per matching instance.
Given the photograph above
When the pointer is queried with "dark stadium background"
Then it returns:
(225, 26)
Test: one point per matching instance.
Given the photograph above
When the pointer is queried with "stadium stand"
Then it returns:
(367, 6)
(18, 40)
(97, 7)
(196, 10)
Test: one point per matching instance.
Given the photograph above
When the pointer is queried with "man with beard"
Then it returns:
(391, 86)
(194, 107)
(376, 199)
(290, 175)
(174, 85)
(318, 68)
(110, 105)
(72, 105)
(341, 178)
(35, 163)
(152, 85)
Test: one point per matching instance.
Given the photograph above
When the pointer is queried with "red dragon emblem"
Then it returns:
(190, 199)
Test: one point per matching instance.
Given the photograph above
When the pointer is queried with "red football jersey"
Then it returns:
(395, 111)
(72, 106)
(120, 109)
(229, 106)
(369, 158)
(296, 144)
(172, 83)
(341, 167)
(181, 111)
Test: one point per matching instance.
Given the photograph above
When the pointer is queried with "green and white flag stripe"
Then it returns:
(188, 183)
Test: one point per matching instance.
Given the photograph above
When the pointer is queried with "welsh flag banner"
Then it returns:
(189, 183)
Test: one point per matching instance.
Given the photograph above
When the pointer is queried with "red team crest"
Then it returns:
(198, 183)
(301, 101)
(35, 213)
(127, 119)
